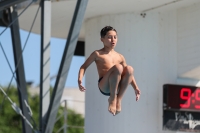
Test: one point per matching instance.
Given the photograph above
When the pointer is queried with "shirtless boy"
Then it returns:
(114, 74)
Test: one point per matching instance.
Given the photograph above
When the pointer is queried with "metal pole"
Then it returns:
(18, 57)
(65, 63)
(45, 60)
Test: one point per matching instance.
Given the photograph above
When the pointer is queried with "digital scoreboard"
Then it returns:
(181, 108)
(180, 97)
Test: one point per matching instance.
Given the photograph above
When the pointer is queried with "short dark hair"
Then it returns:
(105, 30)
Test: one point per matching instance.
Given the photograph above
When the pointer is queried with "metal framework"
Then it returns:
(48, 107)
(7, 3)
(45, 60)
(65, 63)
(18, 57)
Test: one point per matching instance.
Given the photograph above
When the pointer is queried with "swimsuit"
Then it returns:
(107, 94)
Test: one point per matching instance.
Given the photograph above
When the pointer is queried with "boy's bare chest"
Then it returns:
(109, 59)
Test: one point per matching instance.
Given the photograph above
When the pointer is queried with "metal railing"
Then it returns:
(64, 115)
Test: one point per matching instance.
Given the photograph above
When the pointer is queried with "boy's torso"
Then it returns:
(106, 60)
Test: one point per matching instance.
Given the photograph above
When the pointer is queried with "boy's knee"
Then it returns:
(129, 69)
(119, 68)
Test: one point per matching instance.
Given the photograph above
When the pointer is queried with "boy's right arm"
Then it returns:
(83, 68)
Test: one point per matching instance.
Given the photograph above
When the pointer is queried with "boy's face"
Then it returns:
(110, 39)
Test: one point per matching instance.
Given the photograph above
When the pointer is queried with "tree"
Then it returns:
(10, 121)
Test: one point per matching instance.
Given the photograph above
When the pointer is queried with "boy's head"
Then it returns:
(105, 30)
(109, 37)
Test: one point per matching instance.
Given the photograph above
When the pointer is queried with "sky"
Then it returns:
(31, 58)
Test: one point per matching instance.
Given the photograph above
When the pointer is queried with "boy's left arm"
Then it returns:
(136, 88)
(133, 82)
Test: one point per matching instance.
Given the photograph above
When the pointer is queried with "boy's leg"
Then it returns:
(125, 81)
(110, 83)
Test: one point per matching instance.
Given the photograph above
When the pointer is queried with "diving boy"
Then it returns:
(114, 74)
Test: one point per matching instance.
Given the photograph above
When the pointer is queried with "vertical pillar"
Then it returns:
(18, 57)
(65, 63)
(45, 60)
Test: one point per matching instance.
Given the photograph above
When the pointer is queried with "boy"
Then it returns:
(114, 74)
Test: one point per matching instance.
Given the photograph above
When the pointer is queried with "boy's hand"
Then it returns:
(137, 93)
(81, 88)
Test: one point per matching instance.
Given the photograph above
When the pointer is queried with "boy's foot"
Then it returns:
(117, 112)
(118, 106)
(112, 105)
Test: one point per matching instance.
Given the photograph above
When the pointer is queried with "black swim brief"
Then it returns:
(106, 94)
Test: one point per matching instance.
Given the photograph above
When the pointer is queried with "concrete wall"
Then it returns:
(75, 100)
(188, 41)
(163, 48)
(149, 45)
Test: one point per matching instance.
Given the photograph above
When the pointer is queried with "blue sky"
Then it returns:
(31, 56)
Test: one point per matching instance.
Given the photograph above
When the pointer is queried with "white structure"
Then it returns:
(75, 99)
(163, 47)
